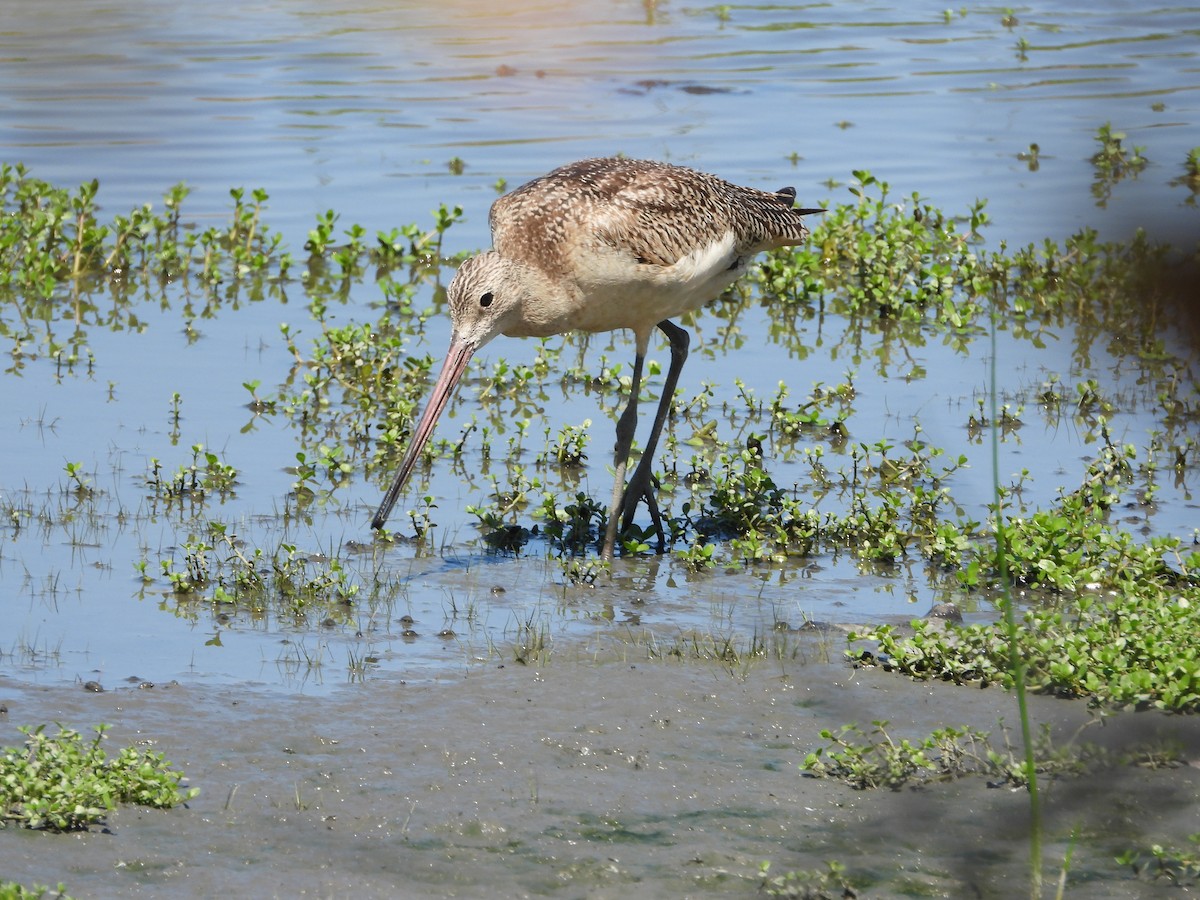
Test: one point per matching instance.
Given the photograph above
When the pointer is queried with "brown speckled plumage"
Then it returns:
(654, 212)
(597, 245)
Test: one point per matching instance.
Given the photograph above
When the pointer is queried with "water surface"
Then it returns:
(362, 107)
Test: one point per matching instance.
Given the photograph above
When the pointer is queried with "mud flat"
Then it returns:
(580, 779)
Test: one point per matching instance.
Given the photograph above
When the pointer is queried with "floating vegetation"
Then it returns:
(1191, 175)
(1113, 162)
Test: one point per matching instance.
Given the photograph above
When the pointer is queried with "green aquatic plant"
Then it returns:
(1127, 652)
(60, 782)
(51, 235)
(218, 569)
(1191, 175)
(830, 883)
(885, 257)
(1113, 162)
(55, 248)
(1191, 166)
(909, 262)
(11, 890)
(878, 760)
(882, 763)
(1113, 159)
(765, 522)
(206, 474)
(571, 526)
(1177, 865)
(699, 556)
(1120, 634)
(80, 485)
(568, 445)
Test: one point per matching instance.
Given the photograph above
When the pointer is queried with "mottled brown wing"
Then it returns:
(654, 212)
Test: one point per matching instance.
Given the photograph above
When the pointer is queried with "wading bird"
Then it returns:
(598, 245)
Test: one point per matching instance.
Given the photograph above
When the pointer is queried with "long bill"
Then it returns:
(457, 357)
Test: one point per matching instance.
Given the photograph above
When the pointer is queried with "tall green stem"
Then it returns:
(1010, 626)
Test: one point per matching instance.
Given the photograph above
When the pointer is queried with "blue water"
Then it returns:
(360, 108)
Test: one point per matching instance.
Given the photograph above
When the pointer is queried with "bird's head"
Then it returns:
(489, 296)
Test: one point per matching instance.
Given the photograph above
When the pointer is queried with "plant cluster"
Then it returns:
(1119, 630)
(1176, 865)
(1191, 175)
(876, 760)
(1113, 162)
(55, 247)
(51, 235)
(219, 569)
(907, 262)
(206, 474)
(764, 522)
(60, 782)
(829, 883)
(877, 256)
(1133, 651)
(11, 890)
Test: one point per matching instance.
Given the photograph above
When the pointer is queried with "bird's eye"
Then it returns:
(486, 300)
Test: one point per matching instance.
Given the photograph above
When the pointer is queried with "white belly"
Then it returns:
(617, 292)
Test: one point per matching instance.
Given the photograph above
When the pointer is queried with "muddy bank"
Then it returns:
(574, 780)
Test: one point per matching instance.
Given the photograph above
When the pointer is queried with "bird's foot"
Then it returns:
(642, 487)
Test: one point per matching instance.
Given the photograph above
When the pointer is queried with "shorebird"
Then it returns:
(599, 245)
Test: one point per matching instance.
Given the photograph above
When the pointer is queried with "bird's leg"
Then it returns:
(639, 487)
(626, 425)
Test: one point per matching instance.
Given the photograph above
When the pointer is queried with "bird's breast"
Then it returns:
(617, 289)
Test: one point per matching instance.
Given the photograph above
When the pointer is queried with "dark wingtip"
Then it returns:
(787, 196)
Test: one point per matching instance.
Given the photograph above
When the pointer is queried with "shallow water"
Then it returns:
(360, 108)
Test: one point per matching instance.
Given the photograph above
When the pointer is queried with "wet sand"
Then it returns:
(579, 779)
